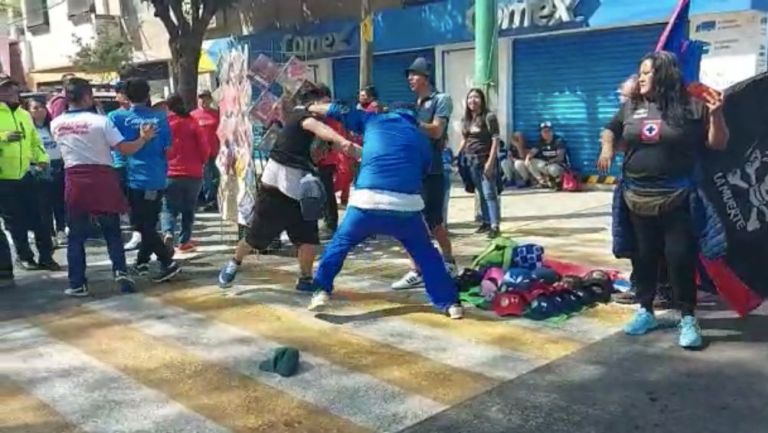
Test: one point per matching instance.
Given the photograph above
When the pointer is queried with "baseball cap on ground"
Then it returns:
(420, 66)
(509, 304)
(285, 362)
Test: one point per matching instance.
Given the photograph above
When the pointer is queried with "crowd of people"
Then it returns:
(68, 167)
(145, 161)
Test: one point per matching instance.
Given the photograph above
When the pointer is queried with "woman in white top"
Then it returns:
(51, 183)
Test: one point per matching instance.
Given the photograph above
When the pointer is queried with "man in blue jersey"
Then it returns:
(147, 176)
(387, 200)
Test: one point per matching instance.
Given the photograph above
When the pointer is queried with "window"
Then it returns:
(36, 12)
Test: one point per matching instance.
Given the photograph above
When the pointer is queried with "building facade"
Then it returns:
(559, 60)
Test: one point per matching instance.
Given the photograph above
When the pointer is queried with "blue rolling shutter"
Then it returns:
(572, 80)
(388, 76)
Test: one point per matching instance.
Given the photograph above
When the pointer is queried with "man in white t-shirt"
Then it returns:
(93, 190)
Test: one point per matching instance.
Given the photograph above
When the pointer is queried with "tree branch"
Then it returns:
(163, 12)
(210, 7)
(178, 12)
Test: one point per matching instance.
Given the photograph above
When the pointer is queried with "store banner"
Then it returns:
(735, 46)
(736, 181)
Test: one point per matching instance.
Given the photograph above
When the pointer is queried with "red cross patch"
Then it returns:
(650, 131)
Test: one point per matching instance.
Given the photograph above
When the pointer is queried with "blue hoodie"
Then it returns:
(396, 154)
(147, 168)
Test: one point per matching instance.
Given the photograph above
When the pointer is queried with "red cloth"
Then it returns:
(92, 189)
(209, 121)
(57, 105)
(333, 157)
(189, 147)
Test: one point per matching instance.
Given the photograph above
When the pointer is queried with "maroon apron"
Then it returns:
(93, 189)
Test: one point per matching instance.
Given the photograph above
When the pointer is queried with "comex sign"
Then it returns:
(328, 43)
(531, 13)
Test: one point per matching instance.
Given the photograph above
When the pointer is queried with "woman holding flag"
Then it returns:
(663, 128)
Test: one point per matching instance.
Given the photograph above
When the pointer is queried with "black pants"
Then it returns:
(20, 203)
(52, 206)
(332, 208)
(670, 237)
(145, 214)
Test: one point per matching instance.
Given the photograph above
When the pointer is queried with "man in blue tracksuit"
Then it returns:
(387, 200)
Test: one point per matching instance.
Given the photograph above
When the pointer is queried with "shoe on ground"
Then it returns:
(306, 284)
(134, 243)
(141, 270)
(78, 292)
(455, 312)
(188, 247)
(643, 323)
(167, 273)
(484, 228)
(227, 274)
(494, 233)
(169, 243)
(320, 301)
(125, 283)
(50, 266)
(690, 333)
(411, 280)
(28, 265)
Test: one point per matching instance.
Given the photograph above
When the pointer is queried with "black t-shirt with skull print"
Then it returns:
(657, 150)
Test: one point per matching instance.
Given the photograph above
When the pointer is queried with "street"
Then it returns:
(184, 356)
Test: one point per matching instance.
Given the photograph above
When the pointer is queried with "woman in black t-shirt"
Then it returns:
(480, 145)
(663, 129)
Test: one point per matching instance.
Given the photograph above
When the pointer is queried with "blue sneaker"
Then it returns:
(306, 284)
(643, 323)
(690, 333)
(125, 282)
(228, 274)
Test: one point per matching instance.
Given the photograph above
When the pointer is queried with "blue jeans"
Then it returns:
(180, 199)
(486, 189)
(210, 182)
(409, 229)
(79, 229)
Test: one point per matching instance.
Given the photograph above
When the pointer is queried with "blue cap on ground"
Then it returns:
(546, 275)
(518, 279)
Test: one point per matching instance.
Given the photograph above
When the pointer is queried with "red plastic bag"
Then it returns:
(734, 292)
(571, 182)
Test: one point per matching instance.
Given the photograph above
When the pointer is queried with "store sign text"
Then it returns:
(328, 43)
(521, 14)
(540, 13)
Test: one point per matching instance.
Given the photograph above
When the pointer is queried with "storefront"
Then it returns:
(559, 60)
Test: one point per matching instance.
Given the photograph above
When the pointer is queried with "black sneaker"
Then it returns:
(27, 265)
(51, 266)
(125, 282)
(141, 269)
(167, 273)
(306, 284)
(79, 292)
(485, 228)
(494, 233)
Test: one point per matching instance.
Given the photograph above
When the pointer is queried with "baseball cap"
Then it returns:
(420, 66)
(509, 304)
(285, 362)
(546, 275)
(545, 125)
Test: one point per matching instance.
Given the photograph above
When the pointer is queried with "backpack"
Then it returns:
(498, 253)
(571, 182)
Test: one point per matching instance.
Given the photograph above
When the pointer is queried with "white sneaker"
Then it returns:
(319, 301)
(411, 280)
(456, 312)
(61, 238)
(453, 271)
(134, 242)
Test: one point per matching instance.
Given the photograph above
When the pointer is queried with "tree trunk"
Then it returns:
(366, 47)
(185, 58)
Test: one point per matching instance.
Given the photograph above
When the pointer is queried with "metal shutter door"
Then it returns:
(388, 76)
(572, 80)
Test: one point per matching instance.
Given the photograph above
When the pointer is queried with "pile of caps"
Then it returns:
(515, 282)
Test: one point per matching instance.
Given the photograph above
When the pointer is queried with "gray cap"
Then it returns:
(420, 66)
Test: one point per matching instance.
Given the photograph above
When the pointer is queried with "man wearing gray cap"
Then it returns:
(435, 111)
